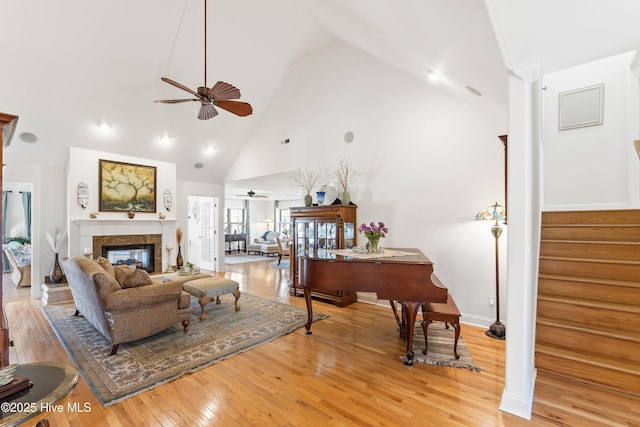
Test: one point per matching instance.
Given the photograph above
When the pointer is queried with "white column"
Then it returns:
(524, 157)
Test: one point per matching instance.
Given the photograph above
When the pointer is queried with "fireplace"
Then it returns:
(138, 256)
(142, 250)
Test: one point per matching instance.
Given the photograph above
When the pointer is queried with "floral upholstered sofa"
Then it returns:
(123, 304)
(265, 244)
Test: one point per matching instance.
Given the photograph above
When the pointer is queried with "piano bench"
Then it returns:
(442, 312)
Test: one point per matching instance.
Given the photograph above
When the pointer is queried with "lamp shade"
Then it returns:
(494, 212)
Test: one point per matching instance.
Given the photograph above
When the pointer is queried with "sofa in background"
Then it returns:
(123, 304)
(266, 244)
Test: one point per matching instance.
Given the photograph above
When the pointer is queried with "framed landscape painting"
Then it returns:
(127, 187)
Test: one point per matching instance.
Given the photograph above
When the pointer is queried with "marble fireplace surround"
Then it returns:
(128, 239)
(95, 233)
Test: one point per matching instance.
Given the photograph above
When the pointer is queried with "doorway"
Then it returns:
(202, 229)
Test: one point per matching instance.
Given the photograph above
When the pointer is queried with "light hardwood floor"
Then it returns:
(347, 373)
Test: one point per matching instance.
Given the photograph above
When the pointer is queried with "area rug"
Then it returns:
(284, 264)
(144, 364)
(440, 351)
(240, 258)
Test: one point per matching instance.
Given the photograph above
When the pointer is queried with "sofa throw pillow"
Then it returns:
(128, 278)
(264, 236)
(108, 267)
(105, 283)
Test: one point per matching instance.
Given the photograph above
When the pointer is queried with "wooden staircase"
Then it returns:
(588, 313)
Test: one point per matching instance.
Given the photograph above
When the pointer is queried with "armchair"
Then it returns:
(125, 311)
(266, 244)
(282, 251)
(19, 257)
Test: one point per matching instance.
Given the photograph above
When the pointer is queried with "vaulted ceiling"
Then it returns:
(69, 64)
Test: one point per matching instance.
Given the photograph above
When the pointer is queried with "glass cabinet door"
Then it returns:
(349, 235)
(327, 237)
(305, 237)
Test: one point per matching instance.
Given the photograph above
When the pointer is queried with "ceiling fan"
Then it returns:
(252, 194)
(220, 95)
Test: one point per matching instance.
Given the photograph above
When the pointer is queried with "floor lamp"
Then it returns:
(495, 213)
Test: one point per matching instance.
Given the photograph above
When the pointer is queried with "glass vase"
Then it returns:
(179, 260)
(308, 200)
(373, 244)
(346, 198)
(56, 271)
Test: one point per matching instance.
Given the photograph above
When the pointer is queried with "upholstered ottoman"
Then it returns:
(254, 247)
(210, 288)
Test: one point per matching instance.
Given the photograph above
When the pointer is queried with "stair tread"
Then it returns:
(584, 302)
(608, 332)
(593, 359)
(591, 242)
(611, 282)
(590, 260)
(578, 399)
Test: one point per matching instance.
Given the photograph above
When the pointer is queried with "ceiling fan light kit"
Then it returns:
(220, 95)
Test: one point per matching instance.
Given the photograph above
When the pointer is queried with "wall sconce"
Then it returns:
(83, 194)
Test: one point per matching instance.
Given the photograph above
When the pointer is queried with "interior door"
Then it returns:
(203, 222)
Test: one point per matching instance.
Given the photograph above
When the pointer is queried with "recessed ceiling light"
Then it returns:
(28, 137)
(208, 151)
(198, 165)
(432, 75)
(473, 91)
(104, 127)
(165, 138)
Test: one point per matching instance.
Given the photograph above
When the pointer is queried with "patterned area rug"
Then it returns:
(440, 352)
(141, 365)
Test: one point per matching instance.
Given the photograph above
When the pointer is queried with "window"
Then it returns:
(234, 221)
(284, 221)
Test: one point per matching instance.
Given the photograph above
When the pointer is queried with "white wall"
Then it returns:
(587, 168)
(429, 161)
(48, 204)
(191, 188)
(84, 167)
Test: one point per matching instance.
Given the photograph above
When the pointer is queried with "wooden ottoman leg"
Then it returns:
(218, 299)
(425, 325)
(237, 295)
(185, 325)
(456, 327)
(203, 300)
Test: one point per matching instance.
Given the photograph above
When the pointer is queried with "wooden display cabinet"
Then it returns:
(320, 228)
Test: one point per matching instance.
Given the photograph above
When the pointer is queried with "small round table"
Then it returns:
(51, 382)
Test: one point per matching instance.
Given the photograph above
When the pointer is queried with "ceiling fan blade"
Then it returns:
(175, 101)
(178, 85)
(222, 91)
(207, 111)
(238, 108)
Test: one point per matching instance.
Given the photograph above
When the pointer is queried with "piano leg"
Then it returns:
(307, 299)
(411, 312)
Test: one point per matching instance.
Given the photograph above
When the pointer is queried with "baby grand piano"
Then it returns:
(408, 279)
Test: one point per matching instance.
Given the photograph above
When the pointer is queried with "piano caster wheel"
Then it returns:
(407, 363)
(309, 333)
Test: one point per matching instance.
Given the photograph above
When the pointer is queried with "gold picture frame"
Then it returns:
(126, 187)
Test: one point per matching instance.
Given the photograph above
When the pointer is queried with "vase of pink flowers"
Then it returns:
(373, 232)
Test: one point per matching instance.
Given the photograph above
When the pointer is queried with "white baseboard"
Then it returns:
(519, 405)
